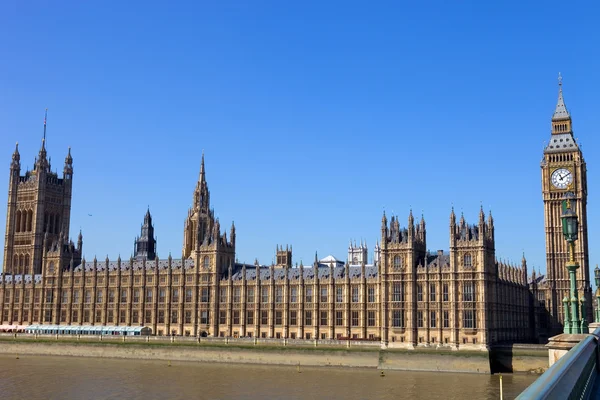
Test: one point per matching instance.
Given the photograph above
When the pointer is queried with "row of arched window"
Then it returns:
(397, 262)
(24, 221)
(52, 223)
(21, 264)
(561, 127)
(467, 261)
(561, 157)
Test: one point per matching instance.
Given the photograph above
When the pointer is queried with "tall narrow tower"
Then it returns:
(202, 239)
(564, 170)
(39, 207)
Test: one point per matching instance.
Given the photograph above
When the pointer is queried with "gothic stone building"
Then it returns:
(408, 297)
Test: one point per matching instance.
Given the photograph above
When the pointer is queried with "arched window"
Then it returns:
(29, 220)
(18, 222)
(26, 262)
(15, 261)
(355, 260)
(397, 262)
(51, 267)
(206, 262)
(468, 262)
(23, 221)
(57, 224)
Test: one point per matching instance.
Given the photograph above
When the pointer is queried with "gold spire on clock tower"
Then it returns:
(563, 170)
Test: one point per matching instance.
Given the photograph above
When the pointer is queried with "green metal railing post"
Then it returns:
(567, 323)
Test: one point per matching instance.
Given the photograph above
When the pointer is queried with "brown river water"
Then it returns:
(38, 377)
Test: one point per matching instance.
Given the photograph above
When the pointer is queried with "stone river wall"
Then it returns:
(279, 352)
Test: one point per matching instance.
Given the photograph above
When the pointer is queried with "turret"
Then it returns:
(15, 165)
(41, 162)
(80, 243)
(452, 227)
(68, 169)
(524, 268)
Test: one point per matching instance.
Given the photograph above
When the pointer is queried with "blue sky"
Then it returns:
(314, 116)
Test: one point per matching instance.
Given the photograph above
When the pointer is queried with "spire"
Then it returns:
(560, 112)
(148, 217)
(232, 233)
(481, 215)
(202, 178)
(144, 246)
(201, 193)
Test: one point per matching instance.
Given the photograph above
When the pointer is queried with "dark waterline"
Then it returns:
(32, 377)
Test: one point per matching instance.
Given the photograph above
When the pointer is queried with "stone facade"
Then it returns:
(408, 297)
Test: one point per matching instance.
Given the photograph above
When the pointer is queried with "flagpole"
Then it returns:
(45, 118)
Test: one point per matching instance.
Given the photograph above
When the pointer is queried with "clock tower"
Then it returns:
(564, 170)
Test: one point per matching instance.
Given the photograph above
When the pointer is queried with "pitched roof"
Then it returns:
(137, 265)
(323, 271)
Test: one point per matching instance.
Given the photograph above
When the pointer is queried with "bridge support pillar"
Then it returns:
(559, 345)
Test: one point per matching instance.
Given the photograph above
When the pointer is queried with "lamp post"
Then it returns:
(570, 227)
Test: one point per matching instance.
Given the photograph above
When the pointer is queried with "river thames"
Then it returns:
(38, 377)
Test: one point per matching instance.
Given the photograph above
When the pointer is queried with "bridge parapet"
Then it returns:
(573, 376)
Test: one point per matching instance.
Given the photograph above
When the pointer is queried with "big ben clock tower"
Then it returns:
(564, 170)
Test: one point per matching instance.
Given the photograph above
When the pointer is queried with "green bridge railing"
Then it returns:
(572, 377)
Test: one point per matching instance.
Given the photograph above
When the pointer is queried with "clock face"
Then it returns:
(561, 178)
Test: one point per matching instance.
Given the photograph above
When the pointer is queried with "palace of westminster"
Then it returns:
(408, 297)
